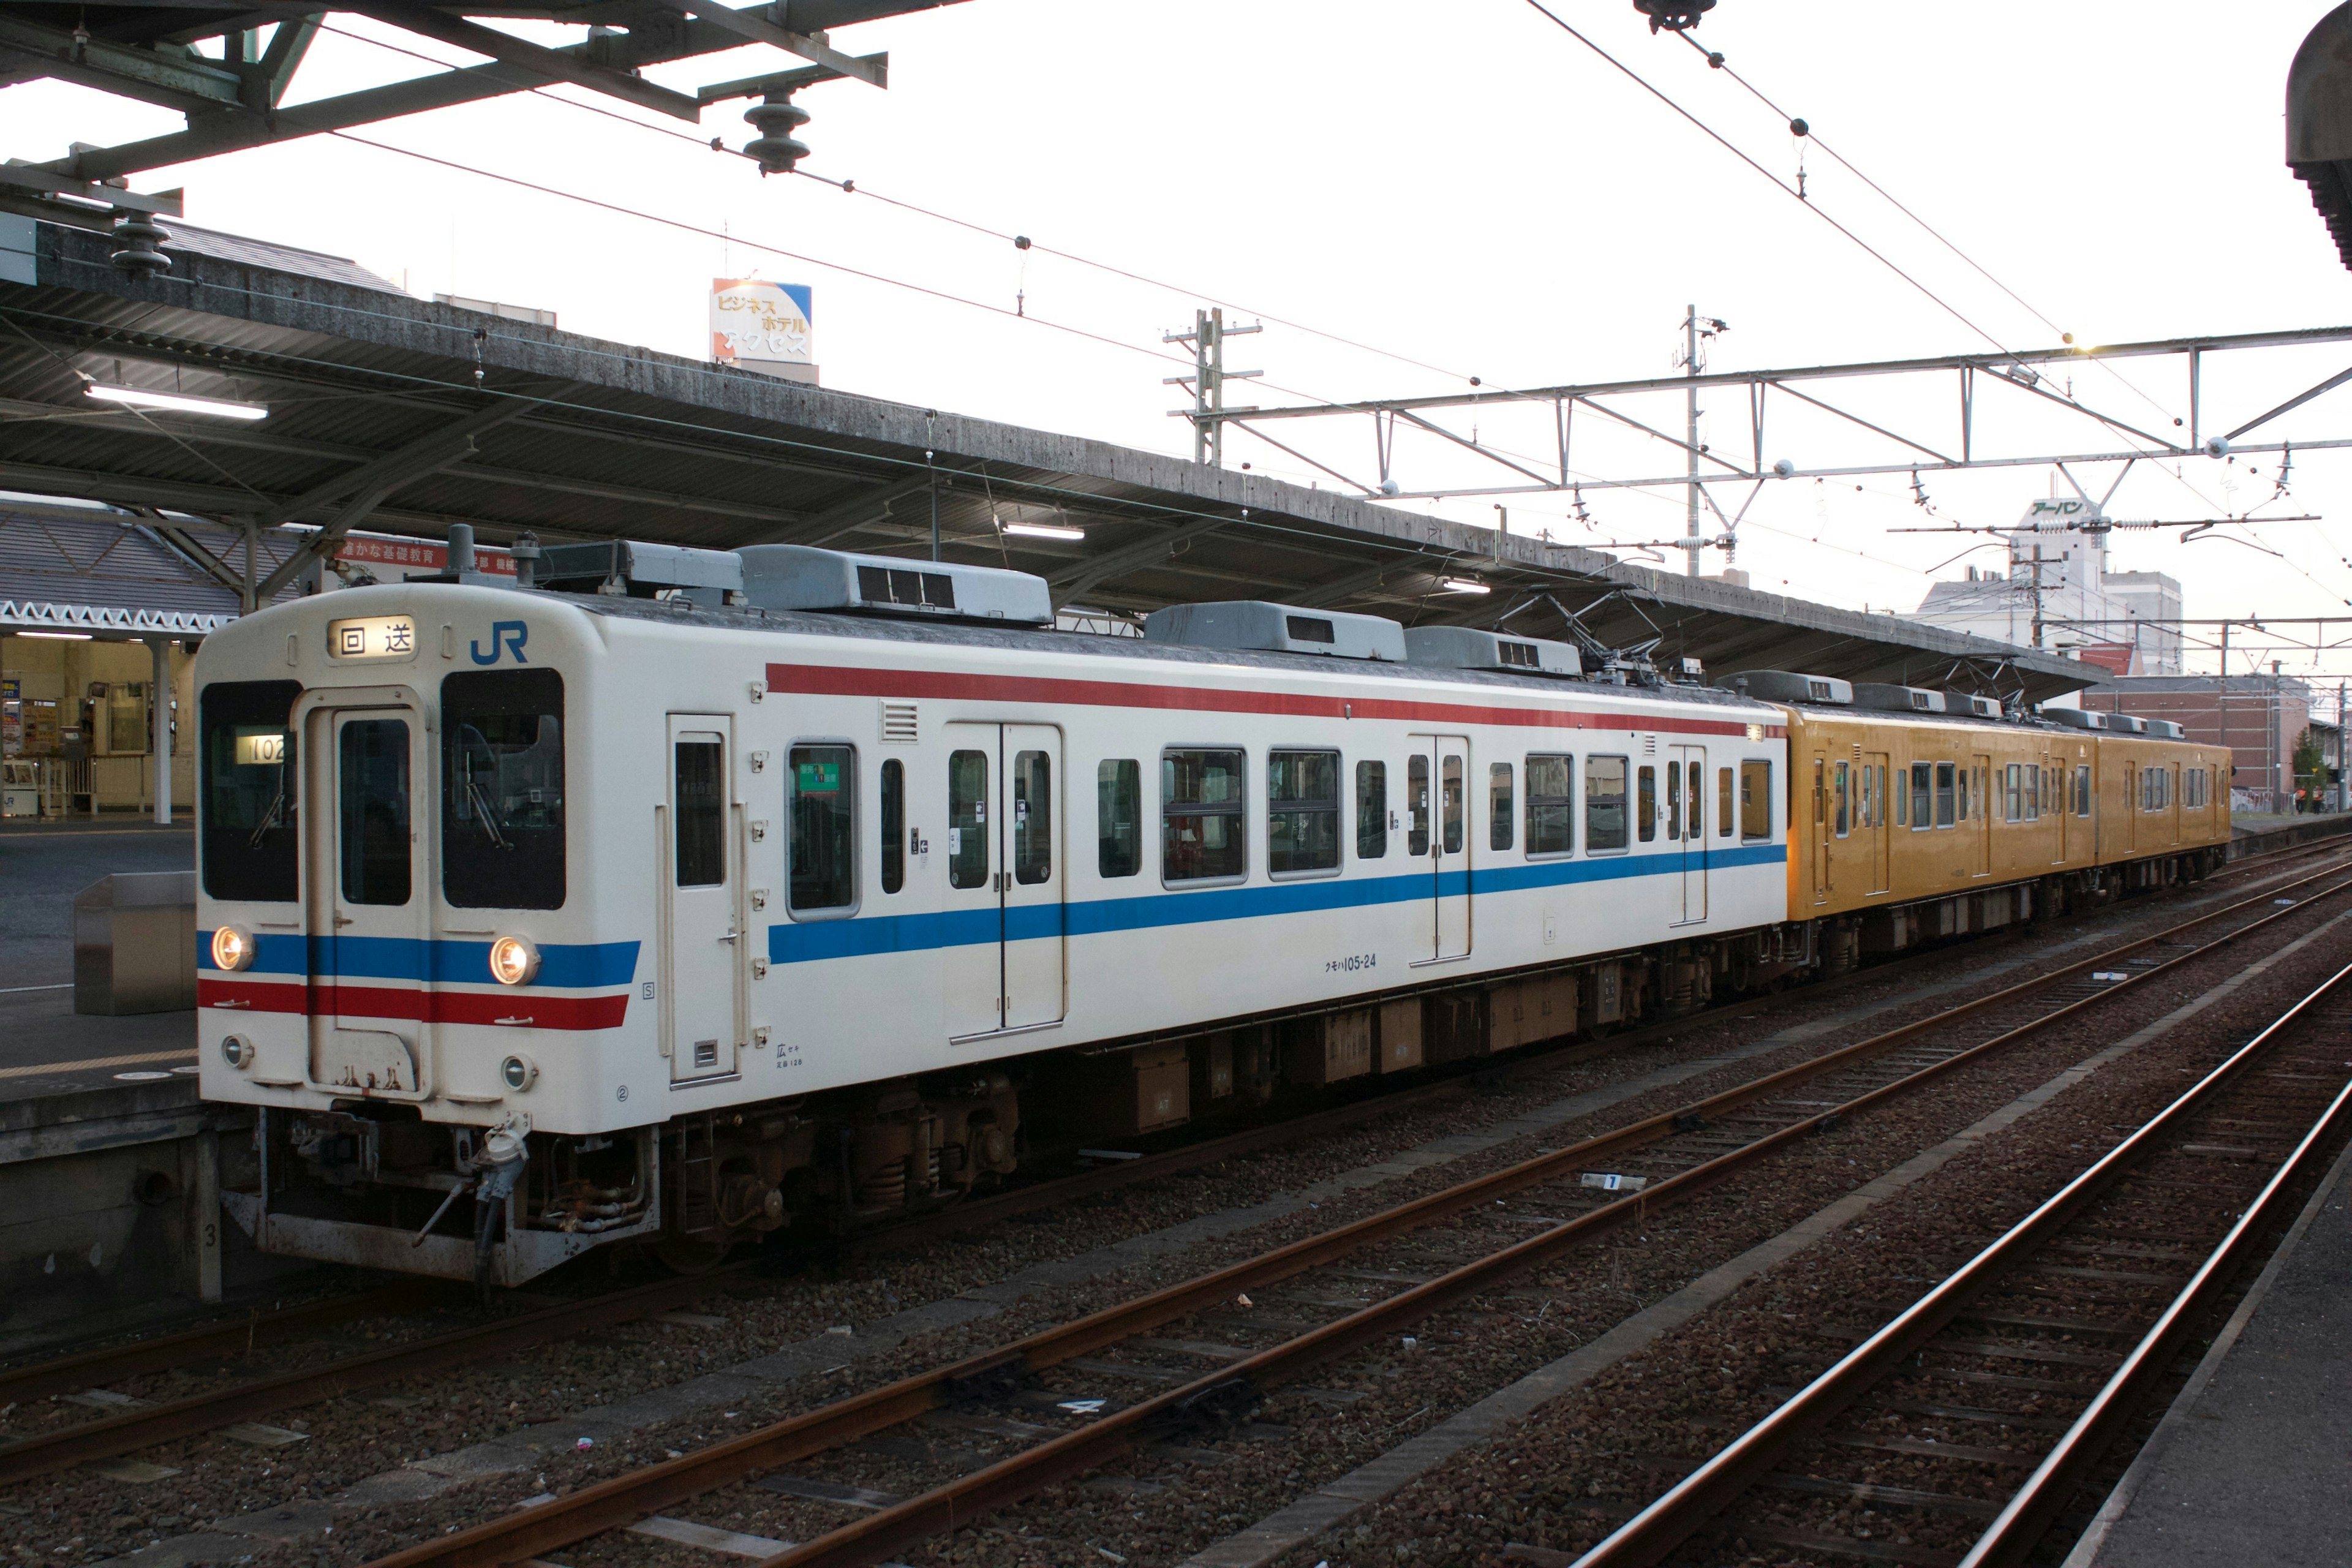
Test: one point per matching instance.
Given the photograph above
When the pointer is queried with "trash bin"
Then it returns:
(135, 943)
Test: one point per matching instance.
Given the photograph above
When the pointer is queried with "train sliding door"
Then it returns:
(1438, 786)
(1873, 816)
(701, 925)
(1002, 969)
(368, 890)
(1690, 790)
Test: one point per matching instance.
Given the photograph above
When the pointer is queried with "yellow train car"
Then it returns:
(1918, 815)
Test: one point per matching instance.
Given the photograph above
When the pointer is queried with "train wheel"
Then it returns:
(687, 1255)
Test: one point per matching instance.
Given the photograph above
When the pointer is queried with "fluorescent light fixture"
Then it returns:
(58, 637)
(1463, 586)
(1043, 531)
(175, 403)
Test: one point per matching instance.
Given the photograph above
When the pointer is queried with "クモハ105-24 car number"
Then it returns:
(1351, 964)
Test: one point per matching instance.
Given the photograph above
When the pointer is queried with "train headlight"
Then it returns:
(519, 1072)
(513, 960)
(237, 1051)
(231, 947)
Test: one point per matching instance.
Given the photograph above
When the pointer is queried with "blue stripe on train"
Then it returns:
(440, 961)
(807, 942)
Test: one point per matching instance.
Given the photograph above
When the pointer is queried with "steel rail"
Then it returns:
(114, 1434)
(624, 1499)
(1686, 1508)
(2030, 1513)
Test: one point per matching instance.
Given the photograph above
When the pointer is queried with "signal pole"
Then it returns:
(1208, 380)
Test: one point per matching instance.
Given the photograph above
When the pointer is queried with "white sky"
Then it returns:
(1462, 184)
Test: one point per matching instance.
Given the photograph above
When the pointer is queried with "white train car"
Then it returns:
(789, 892)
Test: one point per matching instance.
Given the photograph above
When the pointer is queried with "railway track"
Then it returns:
(1021, 1416)
(2083, 1305)
(130, 1429)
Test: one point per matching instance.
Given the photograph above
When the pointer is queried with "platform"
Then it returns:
(2253, 1462)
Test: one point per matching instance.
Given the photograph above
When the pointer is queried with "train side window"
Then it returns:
(2032, 792)
(2013, 806)
(1646, 804)
(1033, 819)
(1755, 801)
(502, 789)
(2083, 789)
(1673, 801)
(1416, 785)
(894, 824)
(1551, 805)
(1118, 819)
(1604, 804)
(1203, 836)
(1945, 793)
(698, 786)
(823, 870)
(247, 828)
(1922, 794)
(1302, 812)
(1501, 815)
(1841, 801)
(1902, 796)
(968, 854)
(1452, 804)
(1371, 810)
(1723, 803)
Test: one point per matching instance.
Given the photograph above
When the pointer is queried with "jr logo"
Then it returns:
(505, 636)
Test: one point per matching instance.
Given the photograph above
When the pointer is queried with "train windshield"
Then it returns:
(502, 789)
(250, 838)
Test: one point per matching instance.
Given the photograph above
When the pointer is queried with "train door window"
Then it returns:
(1755, 800)
(1453, 802)
(1723, 813)
(700, 839)
(1923, 787)
(250, 847)
(1302, 812)
(1118, 819)
(1203, 836)
(1604, 804)
(1673, 801)
(823, 850)
(2083, 789)
(1646, 807)
(1960, 794)
(1500, 812)
(502, 789)
(1865, 798)
(1416, 779)
(373, 784)
(1841, 804)
(1551, 805)
(1946, 792)
(1820, 792)
(1371, 810)
(1033, 818)
(1694, 818)
(968, 855)
(894, 825)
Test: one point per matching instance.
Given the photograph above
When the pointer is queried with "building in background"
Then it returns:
(2126, 622)
(2258, 717)
(763, 326)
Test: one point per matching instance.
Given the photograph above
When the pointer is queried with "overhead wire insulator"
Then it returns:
(775, 118)
(1675, 15)
(139, 236)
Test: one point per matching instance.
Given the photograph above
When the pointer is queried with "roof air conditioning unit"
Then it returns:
(1276, 628)
(802, 577)
(1467, 647)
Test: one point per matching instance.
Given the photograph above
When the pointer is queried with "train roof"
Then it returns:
(1090, 644)
(2025, 721)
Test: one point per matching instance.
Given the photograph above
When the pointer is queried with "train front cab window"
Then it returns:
(700, 939)
(502, 789)
(1003, 896)
(250, 843)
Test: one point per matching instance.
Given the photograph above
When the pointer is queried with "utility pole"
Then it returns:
(1207, 381)
(1693, 323)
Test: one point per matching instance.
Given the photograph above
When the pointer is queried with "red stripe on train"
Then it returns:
(529, 1011)
(819, 680)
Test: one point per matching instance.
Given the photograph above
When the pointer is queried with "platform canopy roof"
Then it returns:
(402, 415)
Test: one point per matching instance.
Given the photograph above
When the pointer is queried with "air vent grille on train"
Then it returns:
(1467, 647)
(1276, 628)
(801, 577)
